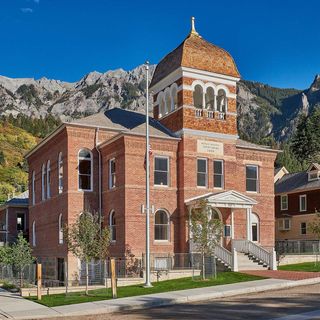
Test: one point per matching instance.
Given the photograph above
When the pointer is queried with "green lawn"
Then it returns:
(306, 266)
(135, 290)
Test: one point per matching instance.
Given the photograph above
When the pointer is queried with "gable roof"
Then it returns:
(20, 200)
(314, 167)
(297, 181)
(125, 121)
(225, 199)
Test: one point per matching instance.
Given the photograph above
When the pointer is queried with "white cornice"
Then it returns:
(206, 134)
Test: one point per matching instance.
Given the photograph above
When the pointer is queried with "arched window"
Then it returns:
(60, 172)
(48, 180)
(33, 188)
(113, 226)
(209, 98)
(161, 106)
(161, 225)
(168, 102)
(215, 214)
(33, 233)
(198, 96)
(255, 227)
(174, 94)
(85, 170)
(43, 182)
(222, 101)
(60, 229)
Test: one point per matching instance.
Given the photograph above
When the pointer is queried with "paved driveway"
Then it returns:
(282, 274)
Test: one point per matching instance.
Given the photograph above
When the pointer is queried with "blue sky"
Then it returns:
(275, 42)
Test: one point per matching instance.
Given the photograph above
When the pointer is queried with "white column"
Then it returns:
(215, 103)
(249, 228)
(232, 224)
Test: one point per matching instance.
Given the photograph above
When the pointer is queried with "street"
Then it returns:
(266, 305)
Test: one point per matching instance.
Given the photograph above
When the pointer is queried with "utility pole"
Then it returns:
(147, 283)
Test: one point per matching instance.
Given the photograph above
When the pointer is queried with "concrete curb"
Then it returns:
(166, 299)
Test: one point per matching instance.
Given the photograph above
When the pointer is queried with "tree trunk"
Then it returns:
(87, 277)
(21, 278)
(203, 267)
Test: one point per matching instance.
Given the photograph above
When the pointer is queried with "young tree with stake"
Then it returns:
(86, 240)
(206, 231)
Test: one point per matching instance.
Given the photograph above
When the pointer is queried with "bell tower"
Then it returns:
(194, 88)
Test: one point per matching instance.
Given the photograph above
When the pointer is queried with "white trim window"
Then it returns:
(161, 171)
(34, 234)
(303, 228)
(33, 188)
(218, 174)
(303, 202)
(60, 173)
(284, 224)
(85, 166)
(60, 229)
(161, 226)
(202, 172)
(112, 173)
(284, 202)
(113, 226)
(252, 178)
(48, 180)
(43, 182)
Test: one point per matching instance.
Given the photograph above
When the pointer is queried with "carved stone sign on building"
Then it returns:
(210, 147)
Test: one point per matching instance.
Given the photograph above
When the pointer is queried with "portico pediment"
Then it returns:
(225, 199)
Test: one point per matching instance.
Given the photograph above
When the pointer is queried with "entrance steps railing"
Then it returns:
(229, 259)
(263, 256)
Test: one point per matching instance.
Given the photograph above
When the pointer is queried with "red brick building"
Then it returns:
(297, 203)
(98, 163)
(14, 218)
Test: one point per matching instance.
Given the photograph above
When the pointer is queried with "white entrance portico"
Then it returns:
(244, 243)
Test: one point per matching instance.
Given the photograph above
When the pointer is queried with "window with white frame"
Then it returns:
(33, 188)
(198, 96)
(112, 173)
(161, 226)
(34, 234)
(284, 224)
(252, 178)
(161, 171)
(43, 182)
(202, 172)
(303, 228)
(85, 170)
(303, 202)
(60, 173)
(48, 180)
(218, 174)
(60, 229)
(284, 202)
(113, 226)
(210, 99)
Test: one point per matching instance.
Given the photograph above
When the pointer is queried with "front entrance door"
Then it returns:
(61, 271)
(254, 232)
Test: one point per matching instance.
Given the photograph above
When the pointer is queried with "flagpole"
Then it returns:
(147, 283)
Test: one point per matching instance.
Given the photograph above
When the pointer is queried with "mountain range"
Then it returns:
(264, 111)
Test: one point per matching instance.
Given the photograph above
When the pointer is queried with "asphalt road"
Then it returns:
(262, 306)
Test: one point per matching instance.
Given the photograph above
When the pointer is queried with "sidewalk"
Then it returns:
(15, 307)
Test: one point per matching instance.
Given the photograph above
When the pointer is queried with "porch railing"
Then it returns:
(224, 255)
(258, 252)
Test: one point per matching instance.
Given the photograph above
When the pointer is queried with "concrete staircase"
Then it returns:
(247, 262)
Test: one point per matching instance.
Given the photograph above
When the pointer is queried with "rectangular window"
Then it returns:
(202, 173)
(252, 178)
(303, 202)
(20, 222)
(218, 179)
(84, 174)
(284, 202)
(284, 224)
(303, 228)
(161, 171)
(112, 173)
(227, 230)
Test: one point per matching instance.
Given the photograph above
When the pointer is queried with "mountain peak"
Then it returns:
(315, 86)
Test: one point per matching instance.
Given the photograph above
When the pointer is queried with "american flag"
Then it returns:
(145, 157)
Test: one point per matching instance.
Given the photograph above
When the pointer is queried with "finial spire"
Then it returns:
(193, 29)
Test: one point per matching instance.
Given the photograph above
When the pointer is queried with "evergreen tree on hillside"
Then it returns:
(305, 143)
(287, 159)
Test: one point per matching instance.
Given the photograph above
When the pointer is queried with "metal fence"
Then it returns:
(297, 247)
(12, 275)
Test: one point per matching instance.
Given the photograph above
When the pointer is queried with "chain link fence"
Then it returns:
(11, 274)
(284, 247)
